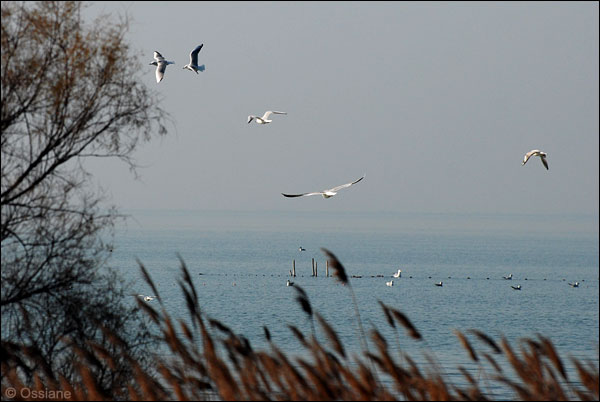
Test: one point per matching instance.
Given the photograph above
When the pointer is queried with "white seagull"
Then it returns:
(509, 277)
(518, 287)
(289, 283)
(325, 193)
(161, 65)
(398, 274)
(536, 152)
(390, 283)
(265, 118)
(147, 298)
(439, 284)
(574, 285)
(193, 64)
(301, 248)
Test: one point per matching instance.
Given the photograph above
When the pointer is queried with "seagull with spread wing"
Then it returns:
(193, 64)
(265, 118)
(325, 193)
(536, 152)
(161, 65)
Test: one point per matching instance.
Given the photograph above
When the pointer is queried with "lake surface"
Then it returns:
(240, 262)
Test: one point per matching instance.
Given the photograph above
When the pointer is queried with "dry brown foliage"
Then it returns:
(211, 362)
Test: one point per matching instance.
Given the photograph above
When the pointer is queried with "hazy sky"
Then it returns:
(436, 102)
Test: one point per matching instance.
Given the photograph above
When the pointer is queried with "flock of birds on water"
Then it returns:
(390, 283)
(161, 66)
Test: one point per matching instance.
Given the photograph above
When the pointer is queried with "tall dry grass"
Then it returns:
(211, 362)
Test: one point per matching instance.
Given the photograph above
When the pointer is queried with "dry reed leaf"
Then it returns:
(488, 340)
(220, 326)
(388, 316)
(336, 265)
(588, 376)
(148, 280)
(298, 334)
(549, 350)
(405, 322)
(302, 298)
(493, 362)
(465, 343)
(332, 336)
(267, 333)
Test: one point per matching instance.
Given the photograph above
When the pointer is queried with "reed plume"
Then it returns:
(224, 365)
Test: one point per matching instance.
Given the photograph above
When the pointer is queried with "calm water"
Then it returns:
(240, 262)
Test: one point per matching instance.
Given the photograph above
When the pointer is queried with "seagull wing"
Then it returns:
(160, 71)
(301, 195)
(250, 118)
(194, 55)
(158, 56)
(345, 185)
(528, 155)
(544, 161)
(270, 112)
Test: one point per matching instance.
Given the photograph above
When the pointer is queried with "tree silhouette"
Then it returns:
(70, 91)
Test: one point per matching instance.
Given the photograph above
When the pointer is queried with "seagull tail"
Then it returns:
(201, 68)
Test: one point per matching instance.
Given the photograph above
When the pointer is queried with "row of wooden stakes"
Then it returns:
(314, 268)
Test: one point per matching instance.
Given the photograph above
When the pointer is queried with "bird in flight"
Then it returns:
(536, 152)
(161, 65)
(193, 64)
(265, 118)
(325, 193)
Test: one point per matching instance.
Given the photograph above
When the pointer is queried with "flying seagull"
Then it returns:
(193, 64)
(536, 152)
(325, 193)
(265, 118)
(161, 65)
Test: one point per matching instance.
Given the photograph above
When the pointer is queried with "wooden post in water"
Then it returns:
(294, 268)
(327, 268)
(316, 272)
(313, 267)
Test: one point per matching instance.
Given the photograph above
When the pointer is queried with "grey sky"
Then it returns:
(436, 102)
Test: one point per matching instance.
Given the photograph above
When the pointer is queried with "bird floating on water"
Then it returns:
(301, 248)
(289, 283)
(390, 283)
(147, 298)
(509, 277)
(574, 285)
(439, 284)
(265, 118)
(398, 274)
(325, 193)
(193, 64)
(536, 152)
(518, 287)
(161, 65)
